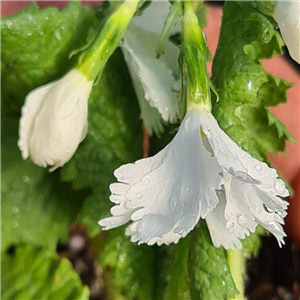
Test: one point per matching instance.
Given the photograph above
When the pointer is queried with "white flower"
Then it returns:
(153, 79)
(287, 15)
(202, 173)
(54, 120)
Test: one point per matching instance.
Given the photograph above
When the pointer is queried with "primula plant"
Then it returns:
(109, 118)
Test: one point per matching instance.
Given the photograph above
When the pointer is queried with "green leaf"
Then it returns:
(35, 45)
(36, 208)
(33, 274)
(208, 268)
(114, 138)
(245, 88)
(177, 287)
(128, 266)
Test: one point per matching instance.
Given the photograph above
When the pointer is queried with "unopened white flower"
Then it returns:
(153, 79)
(287, 15)
(54, 120)
(202, 173)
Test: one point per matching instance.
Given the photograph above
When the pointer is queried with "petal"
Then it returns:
(246, 205)
(239, 163)
(150, 115)
(57, 122)
(167, 194)
(287, 15)
(240, 219)
(155, 76)
(216, 224)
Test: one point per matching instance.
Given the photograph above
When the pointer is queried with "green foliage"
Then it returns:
(114, 138)
(128, 266)
(246, 90)
(208, 269)
(177, 287)
(33, 274)
(35, 45)
(35, 208)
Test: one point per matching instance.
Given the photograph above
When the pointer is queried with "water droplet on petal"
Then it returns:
(128, 203)
(25, 111)
(258, 167)
(177, 174)
(280, 186)
(139, 196)
(147, 181)
(187, 188)
(243, 220)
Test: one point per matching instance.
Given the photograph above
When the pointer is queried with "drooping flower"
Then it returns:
(287, 15)
(54, 116)
(202, 173)
(54, 120)
(153, 79)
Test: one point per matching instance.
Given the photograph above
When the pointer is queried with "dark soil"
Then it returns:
(273, 275)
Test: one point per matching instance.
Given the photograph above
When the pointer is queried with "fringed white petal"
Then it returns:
(287, 15)
(150, 115)
(54, 120)
(216, 224)
(239, 163)
(247, 206)
(156, 77)
(165, 195)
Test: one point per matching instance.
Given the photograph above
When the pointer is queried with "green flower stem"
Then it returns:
(236, 263)
(108, 39)
(194, 52)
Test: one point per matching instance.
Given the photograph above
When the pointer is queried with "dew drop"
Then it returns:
(128, 203)
(187, 188)
(177, 174)
(279, 186)
(117, 202)
(147, 181)
(15, 210)
(243, 220)
(215, 142)
(167, 183)
(258, 167)
(25, 111)
(14, 224)
(139, 196)
(25, 179)
(166, 109)
(142, 169)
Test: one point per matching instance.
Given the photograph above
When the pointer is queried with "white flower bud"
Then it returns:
(287, 15)
(54, 120)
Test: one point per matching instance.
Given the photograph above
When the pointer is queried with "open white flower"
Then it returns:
(54, 120)
(202, 173)
(153, 79)
(287, 15)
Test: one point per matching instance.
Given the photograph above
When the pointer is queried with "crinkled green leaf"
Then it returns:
(210, 276)
(128, 266)
(114, 138)
(246, 90)
(177, 287)
(35, 45)
(266, 7)
(33, 274)
(35, 207)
